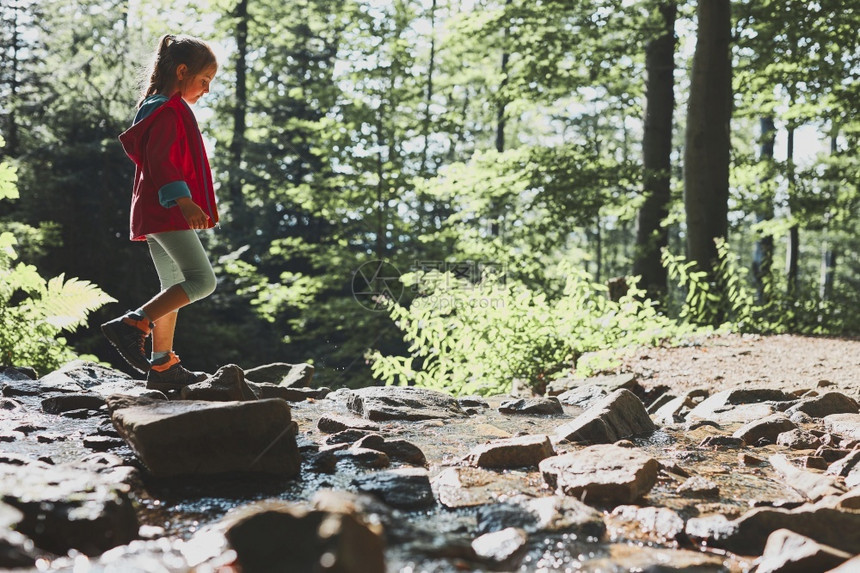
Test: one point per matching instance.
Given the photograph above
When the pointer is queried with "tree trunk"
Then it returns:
(495, 209)
(763, 253)
(240, 111)
(651, 236)
(707, 142)
(829, 254)
(792, 255)
(429, 96)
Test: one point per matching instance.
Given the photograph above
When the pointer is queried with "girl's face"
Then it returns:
(192, 87)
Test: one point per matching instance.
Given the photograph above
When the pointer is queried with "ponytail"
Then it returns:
(172, 52)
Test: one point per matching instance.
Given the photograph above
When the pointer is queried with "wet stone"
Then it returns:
(403, 488)
(602, 474)
(500, 546)
(470, 486)
(768, 428)
(77, 401)
(619, 415)
(515, 452)
(657, 524)
(332, 424)
(396, 450)
(380, 403)
(80, 414)
(282, 374)
(102, 443)
(699, 486)
(788, 551)
(81, 375)
(624, 557)
(364, 457)
(343, 541)
(65, 507)
(348, 436)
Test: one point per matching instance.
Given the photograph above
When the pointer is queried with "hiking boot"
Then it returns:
(167, 373)
(128, 334)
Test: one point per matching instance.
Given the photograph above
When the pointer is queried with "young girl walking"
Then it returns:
(172, 198)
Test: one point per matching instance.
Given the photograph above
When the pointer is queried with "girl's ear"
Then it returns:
(181, 70)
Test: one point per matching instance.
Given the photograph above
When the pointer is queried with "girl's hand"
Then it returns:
(194, 215)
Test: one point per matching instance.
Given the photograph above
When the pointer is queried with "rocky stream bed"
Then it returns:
(259, 470)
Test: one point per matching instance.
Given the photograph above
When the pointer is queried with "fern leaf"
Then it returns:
(66, 303)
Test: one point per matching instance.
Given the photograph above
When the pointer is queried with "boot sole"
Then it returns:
(115, 341)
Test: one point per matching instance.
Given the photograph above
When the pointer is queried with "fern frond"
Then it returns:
(66, 303)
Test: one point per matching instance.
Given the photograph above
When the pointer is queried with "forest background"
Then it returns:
(440, 191)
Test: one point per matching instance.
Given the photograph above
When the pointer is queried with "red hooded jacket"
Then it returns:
(168, 153)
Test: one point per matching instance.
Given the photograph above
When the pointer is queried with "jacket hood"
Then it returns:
(133, 139)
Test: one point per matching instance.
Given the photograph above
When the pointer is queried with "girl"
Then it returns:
(172, 198)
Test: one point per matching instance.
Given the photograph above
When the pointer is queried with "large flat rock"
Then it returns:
(197, 437)
(602, 474)
(379, 403)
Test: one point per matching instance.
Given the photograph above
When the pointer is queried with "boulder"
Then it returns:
(767, 428)
(278, 536)
(226, 385)
(282, 374)
(63, 507)
(76, 401)
(397, 450)
(825, 405)
(847, 425)
(532, 406)
(602, 474)
(521, 451)
(195, 437)
(379, 403)
(619, 415)
(740, 405)
(787, 551)
(747, 535)
(404, 488)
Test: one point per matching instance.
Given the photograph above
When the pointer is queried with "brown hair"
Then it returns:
(172, 52)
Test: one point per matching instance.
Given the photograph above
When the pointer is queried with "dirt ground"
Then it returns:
(719, 362)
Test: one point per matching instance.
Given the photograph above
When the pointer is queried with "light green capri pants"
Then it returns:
(180, 259)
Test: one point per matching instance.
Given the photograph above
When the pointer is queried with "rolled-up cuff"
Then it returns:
(169, 193)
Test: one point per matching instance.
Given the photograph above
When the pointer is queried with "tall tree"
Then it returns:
(652, 235)
(707, 141)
